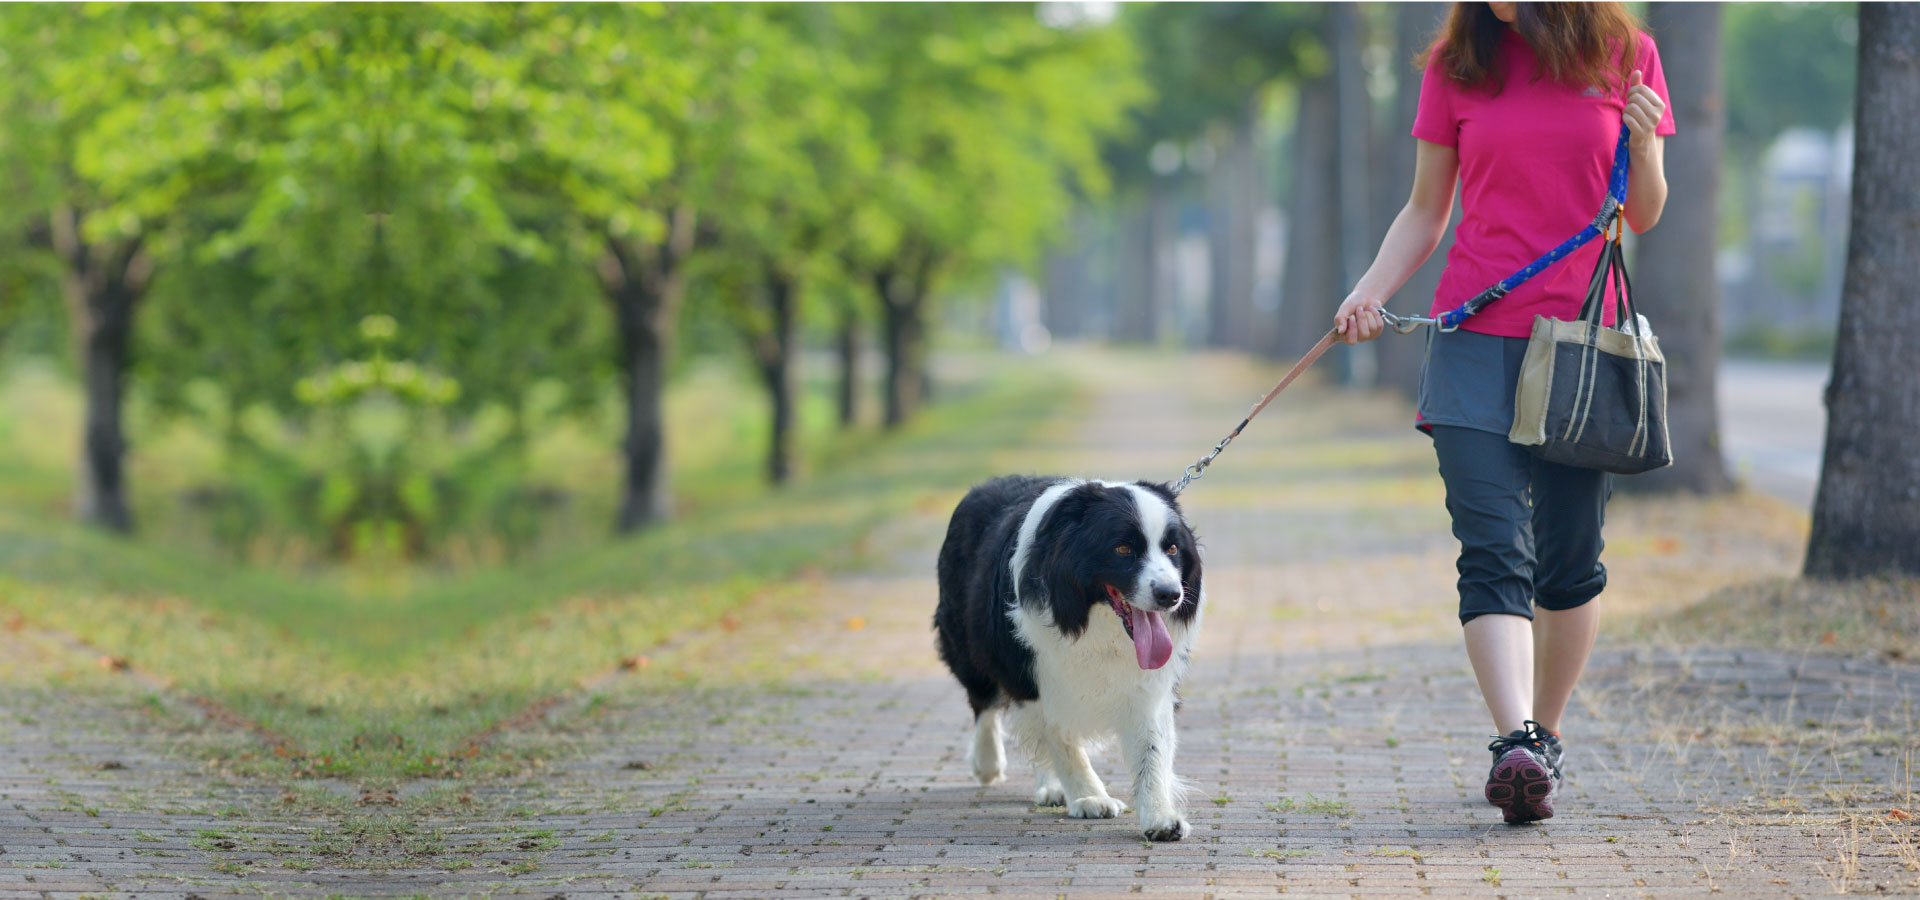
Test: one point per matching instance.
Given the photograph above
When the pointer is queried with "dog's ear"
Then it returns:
(1189, 571)
(1189, 550)
(1061, 574)
(1163, 490)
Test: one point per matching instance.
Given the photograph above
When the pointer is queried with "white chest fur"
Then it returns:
(1090, 685)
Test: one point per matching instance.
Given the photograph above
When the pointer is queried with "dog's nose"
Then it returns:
(1167, 597)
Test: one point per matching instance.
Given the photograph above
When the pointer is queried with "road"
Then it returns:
(1773, 424)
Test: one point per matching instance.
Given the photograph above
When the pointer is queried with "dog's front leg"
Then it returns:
(1150, 741)
(1086, 797)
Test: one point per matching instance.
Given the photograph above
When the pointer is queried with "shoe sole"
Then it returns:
(1521, 787)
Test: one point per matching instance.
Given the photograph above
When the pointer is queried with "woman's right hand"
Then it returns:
(1358, 319)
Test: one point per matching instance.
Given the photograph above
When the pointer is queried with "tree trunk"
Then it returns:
(1866, 517)
(1357, 366)
(1400, 356)
(1069, 282)
(1163, 247)
(773, 354)
(1312, 289)
(1247, 198)
(1224, 325)
(848, 349)
(1133, 320)
(1675, 268)
(102, 287)
(903, 289)
(644, 284)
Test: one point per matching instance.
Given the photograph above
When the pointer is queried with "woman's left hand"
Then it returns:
(1643, 113)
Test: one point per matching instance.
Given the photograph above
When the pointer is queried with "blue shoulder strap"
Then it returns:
(1609, 210)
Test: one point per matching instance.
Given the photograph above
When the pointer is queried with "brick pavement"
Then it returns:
(1331, 734)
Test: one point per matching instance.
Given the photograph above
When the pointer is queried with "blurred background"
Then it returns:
(453, 286)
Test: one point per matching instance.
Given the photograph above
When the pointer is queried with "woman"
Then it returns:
(1522, 103)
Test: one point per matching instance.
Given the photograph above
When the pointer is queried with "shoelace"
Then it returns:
(1531, 734)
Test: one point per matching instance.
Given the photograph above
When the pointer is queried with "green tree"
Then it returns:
(989, 124)
(1787, 65)
(119, 136)
(1213, 68)
(377, 188)
(623, 105)
(784, 184)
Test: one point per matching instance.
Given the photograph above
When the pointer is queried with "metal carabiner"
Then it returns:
(1407, 324)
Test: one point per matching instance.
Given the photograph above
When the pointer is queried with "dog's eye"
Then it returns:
(1123, 550)
(1173, 549)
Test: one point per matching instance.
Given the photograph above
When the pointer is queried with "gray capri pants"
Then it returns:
(1529, 530)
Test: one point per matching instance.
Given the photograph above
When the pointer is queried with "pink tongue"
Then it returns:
(1152, 645)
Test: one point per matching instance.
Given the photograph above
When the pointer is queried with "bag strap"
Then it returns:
(1609, 212)
(1597, 285)
(1609, 270)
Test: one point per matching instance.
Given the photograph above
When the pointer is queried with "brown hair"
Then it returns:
(1575, 43)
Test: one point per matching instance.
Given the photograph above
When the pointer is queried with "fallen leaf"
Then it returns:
(1899, 815)
(856, 623)
(113, 663)
(1829, 638)
(729, 622)
(1666, 546)
(635, 662)
(16, 622)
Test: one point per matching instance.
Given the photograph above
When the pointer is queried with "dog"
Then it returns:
(1070, 608)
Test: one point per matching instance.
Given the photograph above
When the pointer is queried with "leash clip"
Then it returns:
(1407, 324)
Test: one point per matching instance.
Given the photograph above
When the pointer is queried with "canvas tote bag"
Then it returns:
(1592, 395)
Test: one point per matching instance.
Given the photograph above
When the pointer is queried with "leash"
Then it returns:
(1451, 319)
(1199, 468)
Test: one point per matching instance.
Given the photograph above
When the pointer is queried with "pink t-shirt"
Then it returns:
(1534, 161)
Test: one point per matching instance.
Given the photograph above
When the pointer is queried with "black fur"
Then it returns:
(1071, 562)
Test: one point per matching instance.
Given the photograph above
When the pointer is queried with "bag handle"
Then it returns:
(1611, 267)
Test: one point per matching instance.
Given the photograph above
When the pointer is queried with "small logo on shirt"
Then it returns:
(1592, 92)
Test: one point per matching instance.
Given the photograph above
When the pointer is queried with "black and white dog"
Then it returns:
(1071, 607)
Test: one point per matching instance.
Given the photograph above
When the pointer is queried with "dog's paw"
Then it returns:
(1095, 808)
(989, 765)
(1050, 795)
(1171, 828)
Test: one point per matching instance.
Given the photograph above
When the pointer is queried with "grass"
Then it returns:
(1312, 805)
(1869, 617)
(386, 675)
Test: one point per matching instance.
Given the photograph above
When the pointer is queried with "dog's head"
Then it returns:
(1117, 549)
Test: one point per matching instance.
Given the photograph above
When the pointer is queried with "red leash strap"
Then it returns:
(1200, 468)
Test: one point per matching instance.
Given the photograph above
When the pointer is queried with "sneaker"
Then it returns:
(1522, 779)
(1555, 754)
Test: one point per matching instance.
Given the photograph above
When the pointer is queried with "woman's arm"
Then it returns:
(1647, 169)
(1415, 232)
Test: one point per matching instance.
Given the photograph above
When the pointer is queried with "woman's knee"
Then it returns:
(1564, 593)
(1507, 598)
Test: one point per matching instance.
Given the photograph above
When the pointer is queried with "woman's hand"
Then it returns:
(1643, 112)
(1358, 319)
